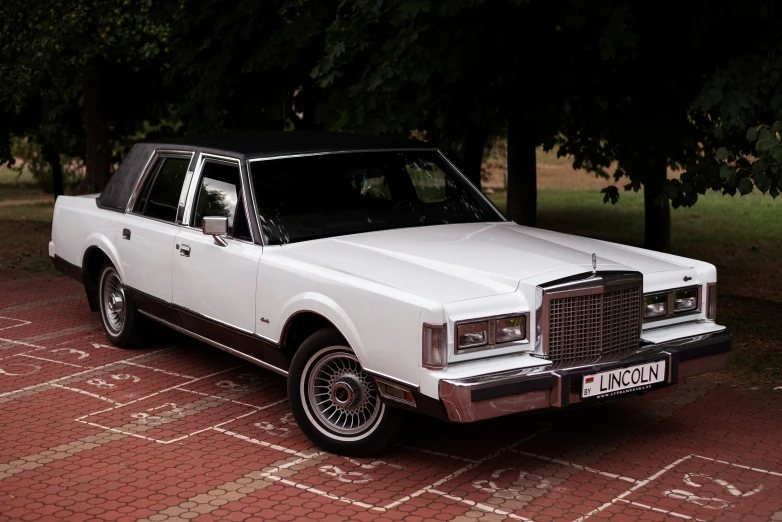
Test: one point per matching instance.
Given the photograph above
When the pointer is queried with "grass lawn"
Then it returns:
(14, 186)
(741, 236)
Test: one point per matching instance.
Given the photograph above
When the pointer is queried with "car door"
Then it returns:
(149, 229)
(213, 282)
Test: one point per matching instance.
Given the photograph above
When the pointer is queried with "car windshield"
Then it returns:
(328, 195)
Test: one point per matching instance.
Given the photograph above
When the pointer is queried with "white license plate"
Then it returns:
(623, 380)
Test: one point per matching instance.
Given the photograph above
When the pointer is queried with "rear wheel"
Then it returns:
(122, 322)
(334, 401)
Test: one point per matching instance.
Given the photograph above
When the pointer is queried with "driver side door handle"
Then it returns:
(184, 250)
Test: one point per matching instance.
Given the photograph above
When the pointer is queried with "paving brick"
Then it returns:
(176, 430)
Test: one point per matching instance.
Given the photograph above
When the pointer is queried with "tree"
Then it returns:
(247, 68)
(403, 65)
(639, 115)
(103, 55)
(742, 105)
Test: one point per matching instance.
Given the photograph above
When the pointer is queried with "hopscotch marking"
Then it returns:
(431, 488)
(21, 322)
(724, 504)
(178, 387)
(77, 374)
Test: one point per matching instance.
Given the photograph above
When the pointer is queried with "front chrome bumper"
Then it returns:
(505, 393)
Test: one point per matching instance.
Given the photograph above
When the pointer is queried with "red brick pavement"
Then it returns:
(177, 430)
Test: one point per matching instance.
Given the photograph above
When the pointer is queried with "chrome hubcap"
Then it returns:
(341, 395)
(113, 301)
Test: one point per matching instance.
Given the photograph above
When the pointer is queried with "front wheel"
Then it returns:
(334, 401)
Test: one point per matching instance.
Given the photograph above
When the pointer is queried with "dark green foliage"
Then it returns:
(743, 104)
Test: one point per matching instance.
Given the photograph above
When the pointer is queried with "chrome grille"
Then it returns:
(593, 325)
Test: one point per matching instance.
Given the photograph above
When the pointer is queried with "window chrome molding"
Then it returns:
(491, 343)
(203, 158)
(147, 170)
(347, 151)
(672, 301)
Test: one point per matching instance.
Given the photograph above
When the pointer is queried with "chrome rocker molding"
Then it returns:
(220, 346)
(508, 392)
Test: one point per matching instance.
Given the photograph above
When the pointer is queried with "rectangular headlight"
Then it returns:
(472, 335)
(511, 329)
(685, 300)
(435, 346)
(655, 305)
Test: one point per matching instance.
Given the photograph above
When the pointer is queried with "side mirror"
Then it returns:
(216, 226)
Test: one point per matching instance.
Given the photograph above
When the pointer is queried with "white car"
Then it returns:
(374, 276)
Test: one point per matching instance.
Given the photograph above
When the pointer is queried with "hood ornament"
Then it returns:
(594, 263)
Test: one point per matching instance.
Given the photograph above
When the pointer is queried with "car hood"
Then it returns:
(449, 263)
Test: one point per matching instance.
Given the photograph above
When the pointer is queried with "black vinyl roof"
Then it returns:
(243, 146)
(266, 144)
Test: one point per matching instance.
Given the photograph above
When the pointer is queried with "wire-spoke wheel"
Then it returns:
(122, 322)
(341, 394)
(334, 401)
(113, 300)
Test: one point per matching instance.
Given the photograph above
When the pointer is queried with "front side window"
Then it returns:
(160, 195)
(330, 195)
(220, 194)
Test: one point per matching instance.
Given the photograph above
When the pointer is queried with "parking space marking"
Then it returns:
(58, 379)
(622, 498)
(79, 419)
(20, 343)
(177, 439)
(481, 506)
(205, 503)
(436, 453)
(159, 370)
(776, 474)
(84, 392)
(265, 444)
(21, 322)
(637, 486)
(656, 509)
(431, 487)
(178, 387)
(577, 466)
(259, 408)
(27, 354)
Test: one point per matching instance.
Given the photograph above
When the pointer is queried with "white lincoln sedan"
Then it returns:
(375, 277)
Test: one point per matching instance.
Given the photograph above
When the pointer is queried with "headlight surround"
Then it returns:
(672, 303)
(491, 332)
(655, 305)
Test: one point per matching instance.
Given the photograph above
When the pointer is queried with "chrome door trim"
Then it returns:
(203, 157)
(145, 172)
(220, 346)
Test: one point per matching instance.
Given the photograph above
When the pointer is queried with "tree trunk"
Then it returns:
(52, 156)
(657, 218)
(98, 150)
(522, 175)
(472, 153)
